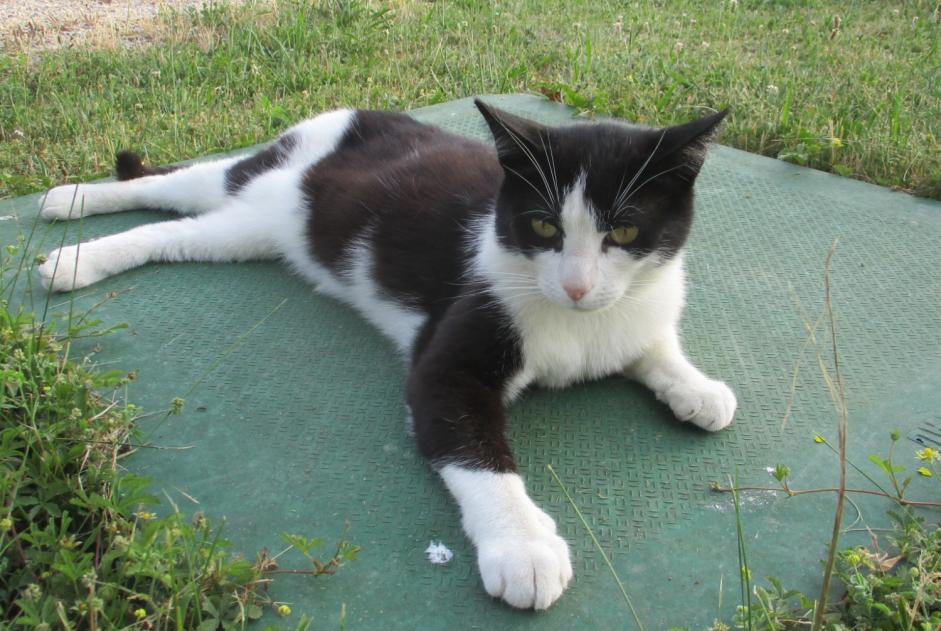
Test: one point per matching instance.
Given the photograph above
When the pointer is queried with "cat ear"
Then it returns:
(516, 138)
(685, 145)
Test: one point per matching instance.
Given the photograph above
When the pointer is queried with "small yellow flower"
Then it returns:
(836, 143)
(5, 524)
(140, 613)
(284, 610)
(145, 515)
(819, 439)
(925, 471)
(928, 454)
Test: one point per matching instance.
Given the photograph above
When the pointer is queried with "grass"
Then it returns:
(848, 87)
(83, 543)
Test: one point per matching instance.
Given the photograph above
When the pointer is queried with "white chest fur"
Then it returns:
(563, 346)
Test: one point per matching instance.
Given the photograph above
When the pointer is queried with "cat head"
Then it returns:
(586, 209)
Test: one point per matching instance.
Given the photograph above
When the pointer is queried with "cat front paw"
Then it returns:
(707, 403)
(69, 268)
(529, 569)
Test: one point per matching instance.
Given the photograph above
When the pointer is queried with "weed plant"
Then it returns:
(898, 590)
(83, 543)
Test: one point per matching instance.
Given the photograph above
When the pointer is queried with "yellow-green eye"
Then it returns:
(543, 228)
(623, 235)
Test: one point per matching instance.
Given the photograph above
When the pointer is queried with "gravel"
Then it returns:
(30, 25)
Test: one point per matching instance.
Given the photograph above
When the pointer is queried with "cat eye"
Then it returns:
(623, 235)
(543, 228)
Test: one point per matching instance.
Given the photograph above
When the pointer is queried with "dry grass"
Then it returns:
(32, 26)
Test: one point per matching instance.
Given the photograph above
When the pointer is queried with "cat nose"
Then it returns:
(576, 292)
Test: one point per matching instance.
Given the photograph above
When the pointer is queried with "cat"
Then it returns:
(552, 258)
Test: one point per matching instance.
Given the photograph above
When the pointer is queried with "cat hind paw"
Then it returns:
(63, 272)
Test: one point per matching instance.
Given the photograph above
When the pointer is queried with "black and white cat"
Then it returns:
(554, 259)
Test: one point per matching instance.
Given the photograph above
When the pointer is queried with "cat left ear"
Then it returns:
(686, 144)
(515, 137)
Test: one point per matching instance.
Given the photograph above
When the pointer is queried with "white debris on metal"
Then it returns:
(438, 553)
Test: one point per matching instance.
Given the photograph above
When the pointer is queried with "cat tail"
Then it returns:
(129, 166)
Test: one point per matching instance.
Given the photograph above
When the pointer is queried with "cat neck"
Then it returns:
(562, 345)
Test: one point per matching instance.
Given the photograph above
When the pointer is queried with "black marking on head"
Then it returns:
(271, 157)
(634, 176)
(129, 166)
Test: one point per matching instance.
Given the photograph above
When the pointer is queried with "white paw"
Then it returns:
(529, 568)
(706, 403)
(63, 202)
(70, 268)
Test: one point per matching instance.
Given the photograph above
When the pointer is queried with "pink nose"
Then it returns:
(576, 292)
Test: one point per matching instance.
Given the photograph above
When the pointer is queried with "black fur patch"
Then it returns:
(456, 386)
(240, 173)
(129, 166)
(412, 191)
(634, 176)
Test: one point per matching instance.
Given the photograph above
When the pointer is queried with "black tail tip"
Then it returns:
(128, 166)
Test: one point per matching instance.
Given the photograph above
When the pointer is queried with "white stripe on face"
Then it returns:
(578, 265)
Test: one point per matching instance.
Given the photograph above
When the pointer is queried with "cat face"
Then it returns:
(586, 211)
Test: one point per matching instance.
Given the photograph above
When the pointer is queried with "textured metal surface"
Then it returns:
(301, 427)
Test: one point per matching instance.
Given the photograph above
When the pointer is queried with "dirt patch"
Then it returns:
(32, 25)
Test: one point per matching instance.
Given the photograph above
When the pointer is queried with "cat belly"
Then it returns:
(354, 285)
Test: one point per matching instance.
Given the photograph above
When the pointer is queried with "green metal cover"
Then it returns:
(301, 429)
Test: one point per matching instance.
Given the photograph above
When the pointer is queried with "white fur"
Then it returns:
(691, 395)
(625, 323)
(521, 558)
(197, 189)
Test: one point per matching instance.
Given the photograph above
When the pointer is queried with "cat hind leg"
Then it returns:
(187, 190)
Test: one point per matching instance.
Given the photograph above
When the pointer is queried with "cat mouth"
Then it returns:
(585, 307)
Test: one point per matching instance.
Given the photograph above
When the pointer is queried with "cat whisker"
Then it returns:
(533, 186)
(653, 177)
(620, 210)
(522, 289)
(532, 158)
(551, 158)
(627, 190)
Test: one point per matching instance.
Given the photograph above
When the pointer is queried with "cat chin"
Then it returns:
(578, 307)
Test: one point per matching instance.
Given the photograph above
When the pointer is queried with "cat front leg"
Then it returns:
(455, 393)
(691, 395)
(237, 232)
(520, 557)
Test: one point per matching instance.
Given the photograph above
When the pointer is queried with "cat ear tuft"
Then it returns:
(686, 144)
(515, 136)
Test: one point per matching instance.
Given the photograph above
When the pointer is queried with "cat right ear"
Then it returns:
(517, 138)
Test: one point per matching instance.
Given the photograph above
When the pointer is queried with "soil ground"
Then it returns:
(32, 25)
